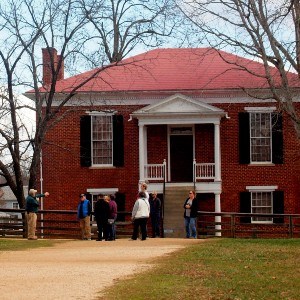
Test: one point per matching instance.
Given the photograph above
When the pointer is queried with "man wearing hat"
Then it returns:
(32, 204)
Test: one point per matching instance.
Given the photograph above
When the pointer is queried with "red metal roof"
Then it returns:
(175, 69)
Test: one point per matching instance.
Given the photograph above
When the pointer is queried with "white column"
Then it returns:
(141, 152)
(217, 153)
(145, 145)
(217, 210)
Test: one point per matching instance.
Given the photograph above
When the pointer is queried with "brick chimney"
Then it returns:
(48, 55)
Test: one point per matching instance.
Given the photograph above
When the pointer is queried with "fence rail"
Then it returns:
(64, 224)
(55, 224)
(237, 225)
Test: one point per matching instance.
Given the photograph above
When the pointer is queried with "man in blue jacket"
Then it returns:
(84, 216)
(32, 205)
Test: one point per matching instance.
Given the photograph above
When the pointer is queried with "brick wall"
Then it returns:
(64, 178)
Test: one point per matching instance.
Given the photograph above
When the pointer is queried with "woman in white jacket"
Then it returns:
(140, 216)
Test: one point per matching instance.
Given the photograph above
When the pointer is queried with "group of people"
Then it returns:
(145, 207)
(105, 212)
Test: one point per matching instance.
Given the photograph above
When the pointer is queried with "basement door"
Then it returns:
(181, 157)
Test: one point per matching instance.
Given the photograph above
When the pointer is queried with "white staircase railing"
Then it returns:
(204, 170)
(155, 171)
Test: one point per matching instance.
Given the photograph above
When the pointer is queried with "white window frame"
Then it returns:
(262, 189)
(260, 110)
(96, 192)
(101, 114)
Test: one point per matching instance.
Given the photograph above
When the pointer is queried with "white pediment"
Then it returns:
(179, 103)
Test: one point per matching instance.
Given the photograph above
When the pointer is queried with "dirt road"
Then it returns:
(77, 269)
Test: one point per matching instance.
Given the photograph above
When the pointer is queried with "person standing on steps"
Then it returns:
(190, 215)
(143, 188)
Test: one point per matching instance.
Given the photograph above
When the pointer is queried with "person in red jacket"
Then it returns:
(112, 217)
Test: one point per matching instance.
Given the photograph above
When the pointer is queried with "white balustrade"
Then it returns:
(204, 170)
(155, 171)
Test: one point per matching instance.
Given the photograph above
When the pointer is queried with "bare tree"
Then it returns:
(73, 27)
(264, 30)
(123, 25)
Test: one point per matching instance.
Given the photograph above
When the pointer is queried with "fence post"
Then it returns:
(218, 218)
(290, 226)
(232, 225)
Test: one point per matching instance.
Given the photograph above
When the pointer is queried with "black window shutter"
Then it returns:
(89, 196)
(244, 138)
(277, 139)
(118, 141)
(278, 206)
(245, 206)
(85, 141)
(120, 200)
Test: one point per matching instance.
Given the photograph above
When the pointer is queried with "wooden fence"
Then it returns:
(64, 224)
(55, 224)
(233, 225)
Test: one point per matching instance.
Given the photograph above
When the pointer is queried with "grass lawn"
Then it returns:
(220, 269)
(23, 244)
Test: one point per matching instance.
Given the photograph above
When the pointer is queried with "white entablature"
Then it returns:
(178, 109)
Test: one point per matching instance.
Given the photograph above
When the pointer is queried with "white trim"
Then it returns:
(192, 126)
(144, 97)
(267, 112)
(257, 188)
(101, 113)
(260, 109)
(102, 191)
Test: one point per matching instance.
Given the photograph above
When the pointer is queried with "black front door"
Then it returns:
(181, 158)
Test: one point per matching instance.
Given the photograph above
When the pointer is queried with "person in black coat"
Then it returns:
(155, 210)
(101, 212)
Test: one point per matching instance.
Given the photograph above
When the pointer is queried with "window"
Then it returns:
(263, 200)
(102, 140)
(261, 203)
(260, 137)
(15, 205)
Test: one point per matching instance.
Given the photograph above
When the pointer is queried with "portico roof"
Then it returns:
(178, 109)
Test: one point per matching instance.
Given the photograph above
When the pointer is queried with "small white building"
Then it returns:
(9, 200)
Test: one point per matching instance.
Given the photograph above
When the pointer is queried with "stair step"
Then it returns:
(173, 210)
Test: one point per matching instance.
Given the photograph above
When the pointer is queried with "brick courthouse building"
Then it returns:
(178, 119)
